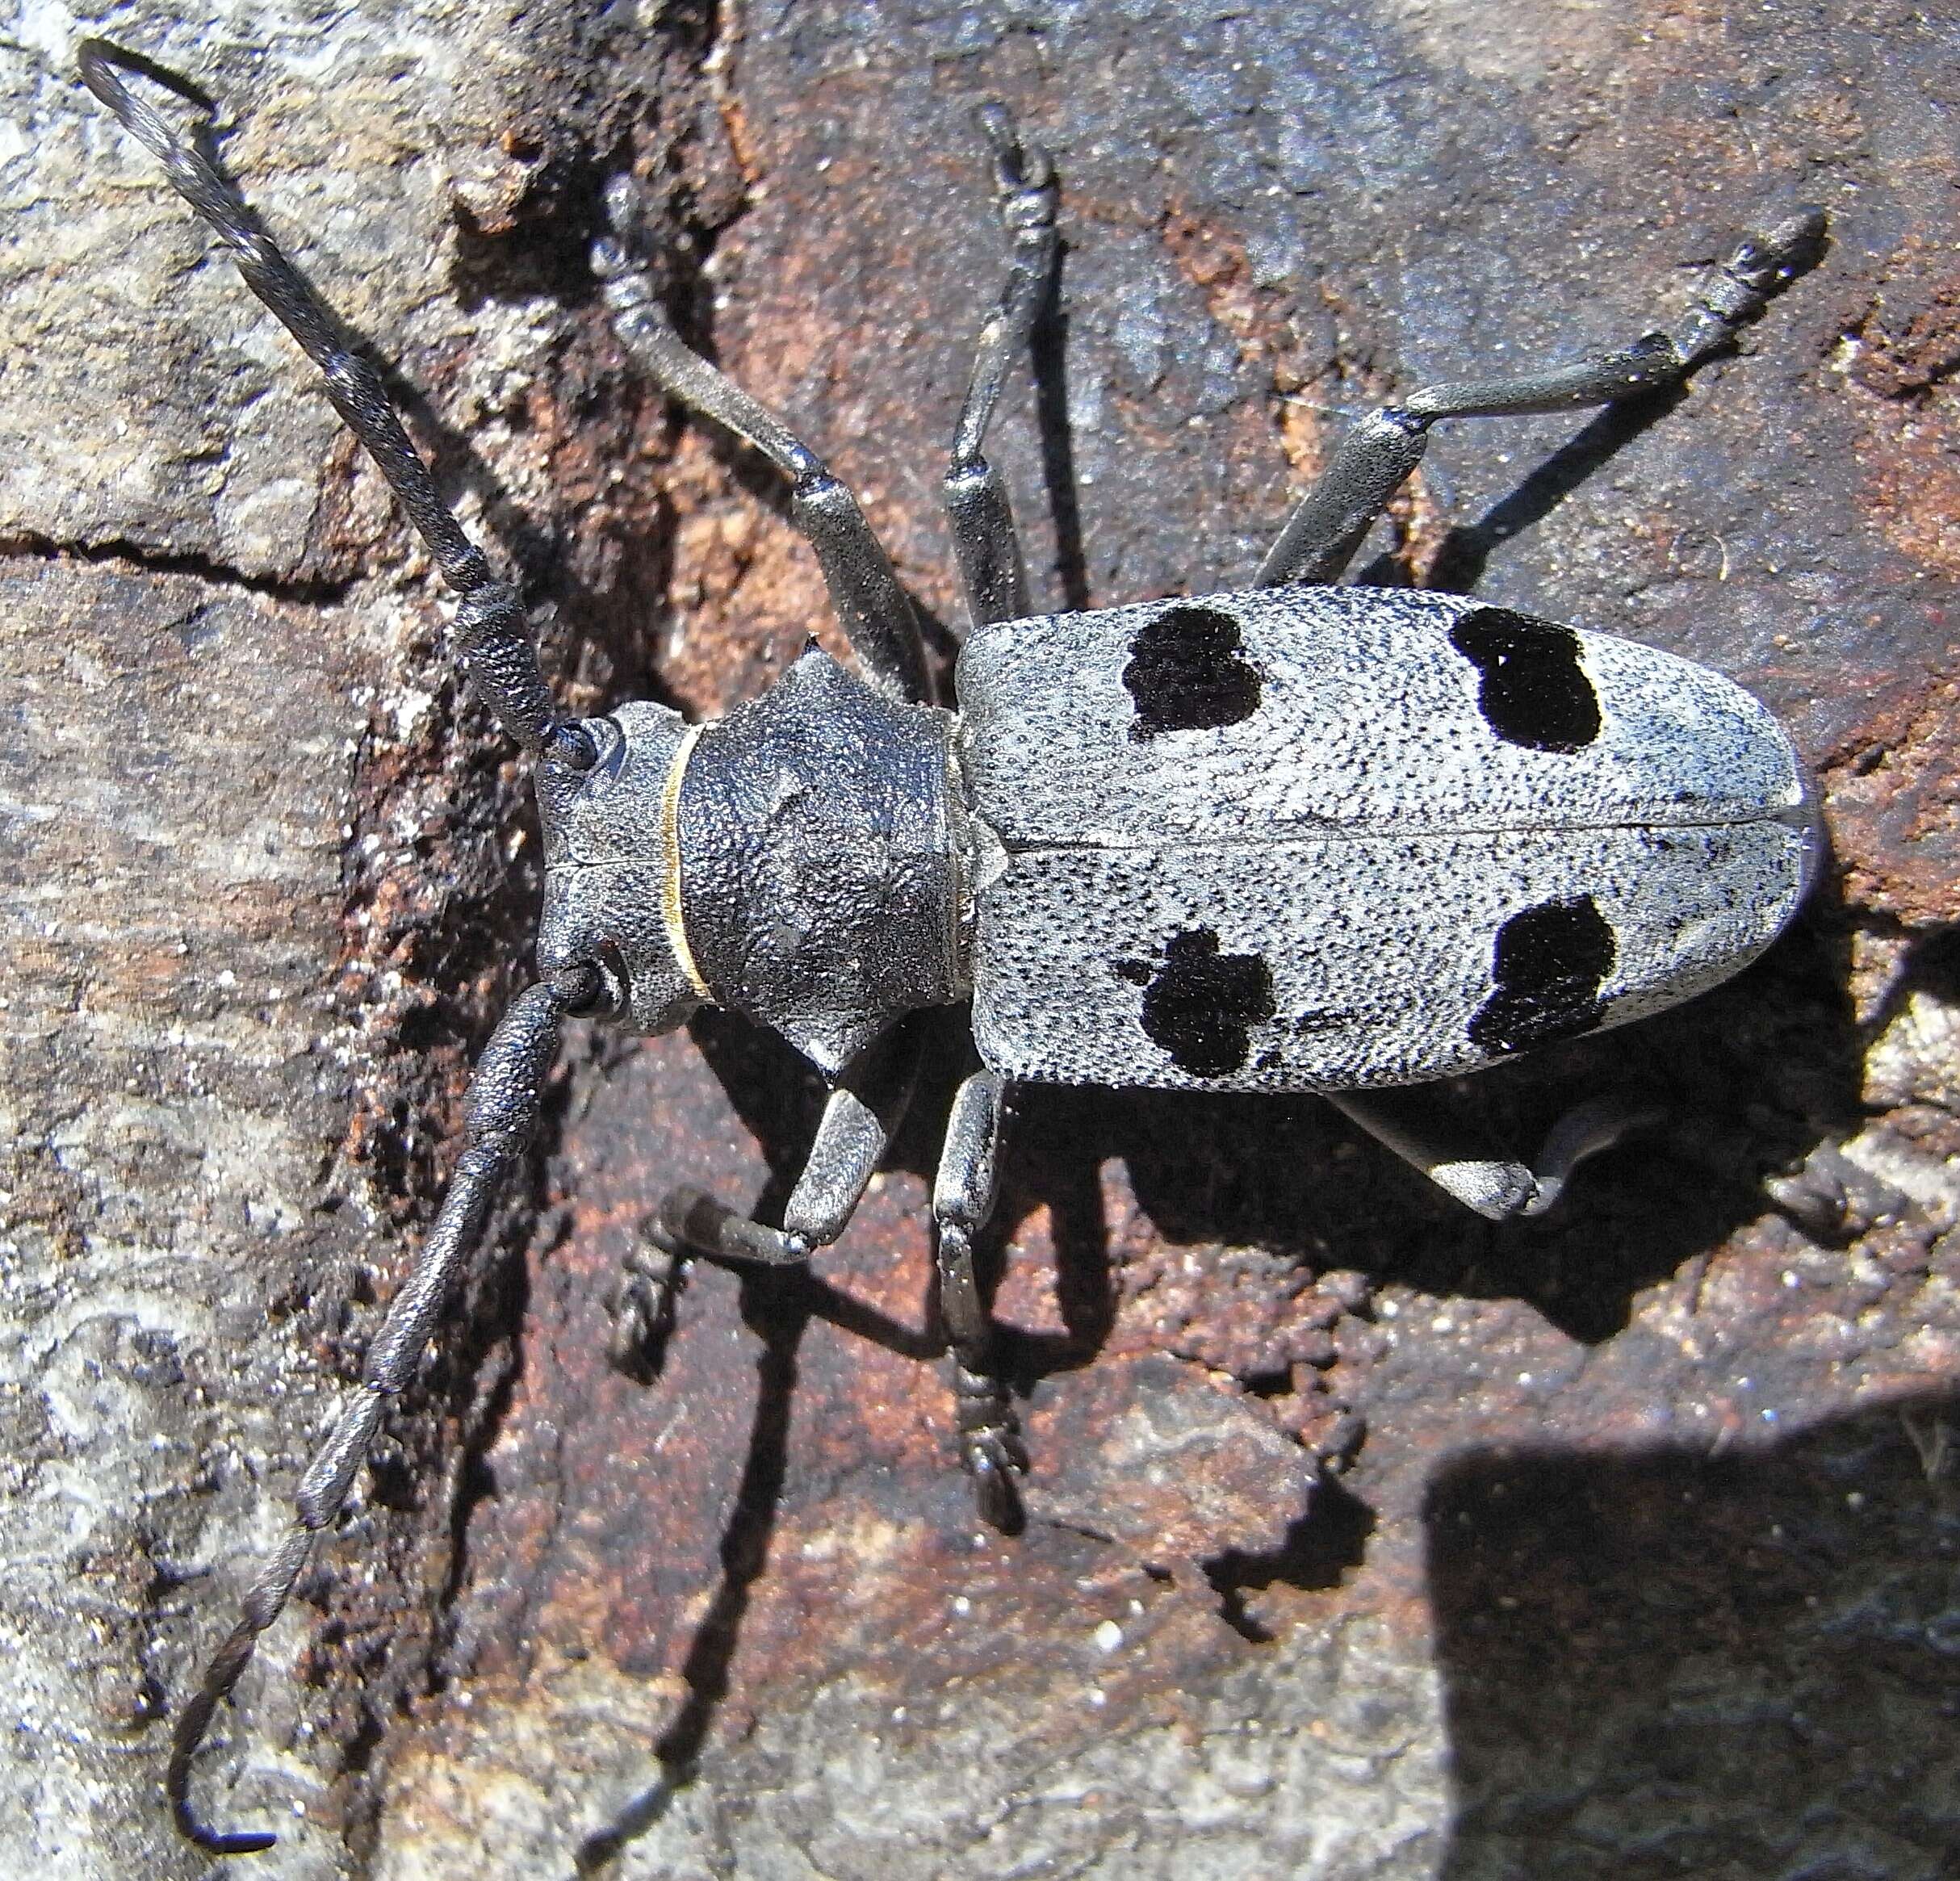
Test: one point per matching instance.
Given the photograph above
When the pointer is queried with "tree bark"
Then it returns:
(1365, 1538)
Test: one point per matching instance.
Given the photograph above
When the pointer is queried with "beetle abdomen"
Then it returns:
(1332, 838)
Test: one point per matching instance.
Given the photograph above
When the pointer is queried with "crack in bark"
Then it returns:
(32, 545)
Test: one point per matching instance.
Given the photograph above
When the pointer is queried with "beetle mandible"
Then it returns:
(1299, 837)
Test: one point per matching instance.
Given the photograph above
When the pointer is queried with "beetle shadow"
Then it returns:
(777, 1309)
(1748, 1079)
(1048, 361)
(1289, 1176)
(1688, 1661)
(779, 1098)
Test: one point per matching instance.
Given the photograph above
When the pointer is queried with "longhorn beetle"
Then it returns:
(1297, 837)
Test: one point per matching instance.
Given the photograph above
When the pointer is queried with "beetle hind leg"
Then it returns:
(1413, 1125)
(1376, 457)
(963, 1196)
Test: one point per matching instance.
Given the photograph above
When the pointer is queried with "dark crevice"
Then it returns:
(1101, 1536)
(25, 545)
(677, 240)
(357, 1754)
(460, 941)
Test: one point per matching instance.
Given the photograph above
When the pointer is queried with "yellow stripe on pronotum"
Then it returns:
(670, 848)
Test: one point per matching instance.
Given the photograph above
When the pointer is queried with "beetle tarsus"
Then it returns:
(644, 1301)
(990, 1447)
(993, 569)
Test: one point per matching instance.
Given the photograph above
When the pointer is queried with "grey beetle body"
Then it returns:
(1297, 838)
(1325, 839)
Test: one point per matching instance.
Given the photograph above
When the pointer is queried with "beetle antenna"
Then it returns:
(499, 1113)
(496, 648)
(262, 1603)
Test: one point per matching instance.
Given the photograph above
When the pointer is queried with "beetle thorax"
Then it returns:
(795, 862)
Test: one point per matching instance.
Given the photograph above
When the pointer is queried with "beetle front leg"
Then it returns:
(852, 1135)
(875, 612)
(963, 1196)
(1377, 455)
(1411, 1123)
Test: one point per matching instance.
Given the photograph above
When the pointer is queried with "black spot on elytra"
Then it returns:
(1549, 963)
(1186, 674)
(1201, 1005)
(1534, 691)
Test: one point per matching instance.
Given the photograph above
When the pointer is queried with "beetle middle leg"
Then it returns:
(875, 612)
(1377, 455)
(963, 1195)
(994, 577)
(993, 571)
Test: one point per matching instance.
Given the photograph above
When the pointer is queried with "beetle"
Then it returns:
(1301, 837)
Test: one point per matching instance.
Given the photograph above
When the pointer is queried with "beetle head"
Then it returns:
(608, 870)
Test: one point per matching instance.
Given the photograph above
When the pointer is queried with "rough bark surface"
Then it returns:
(1365, 1538)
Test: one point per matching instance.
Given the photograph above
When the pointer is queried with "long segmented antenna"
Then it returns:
(499, 1114)
(495, 644)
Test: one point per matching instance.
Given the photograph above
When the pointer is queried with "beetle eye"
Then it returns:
(614, 994)
(573, 746)
(609, 738)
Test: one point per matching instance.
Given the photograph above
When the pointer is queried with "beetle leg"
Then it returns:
(992, 570)
(499, 1113)
(875, 612)
(963, 1197)
(1411, 1123)
(1324, 531)
(852, 1137)
(641, 1305)
(498, 650)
